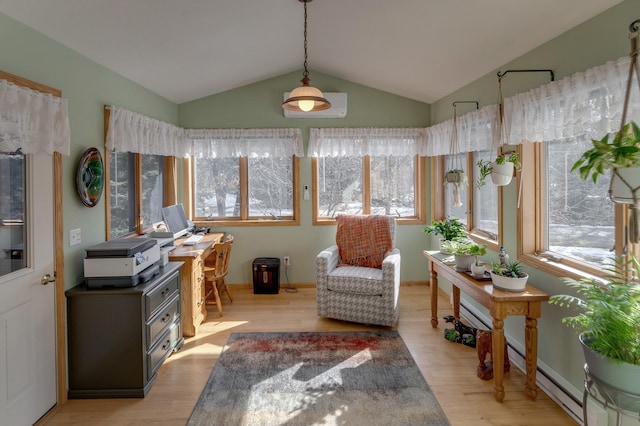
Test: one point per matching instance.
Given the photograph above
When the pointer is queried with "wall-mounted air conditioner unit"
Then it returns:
(338, 107)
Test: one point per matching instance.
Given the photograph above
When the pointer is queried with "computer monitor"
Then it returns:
(176, 220)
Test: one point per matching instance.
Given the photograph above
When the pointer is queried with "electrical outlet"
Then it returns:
(75, 237)
(287, 261)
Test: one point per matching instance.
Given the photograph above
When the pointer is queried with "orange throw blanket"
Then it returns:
(363, 240)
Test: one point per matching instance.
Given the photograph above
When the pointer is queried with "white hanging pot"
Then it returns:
(624, 184)
(501, 174)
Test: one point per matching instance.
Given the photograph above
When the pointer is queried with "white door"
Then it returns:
(27, 306)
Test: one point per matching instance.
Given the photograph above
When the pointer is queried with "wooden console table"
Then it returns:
(500, 304)
(192, 293)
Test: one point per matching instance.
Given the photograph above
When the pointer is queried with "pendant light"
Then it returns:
(306, 98)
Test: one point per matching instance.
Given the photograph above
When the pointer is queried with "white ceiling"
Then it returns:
(188, 49)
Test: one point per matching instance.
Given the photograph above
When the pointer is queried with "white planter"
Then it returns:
(501, 174)
(509, 283)
(463, 263)
(622, 376)
(623, 182)
(442, 250)
(454, 177)
(477, 270)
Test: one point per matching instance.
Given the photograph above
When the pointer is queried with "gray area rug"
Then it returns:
(317, 378)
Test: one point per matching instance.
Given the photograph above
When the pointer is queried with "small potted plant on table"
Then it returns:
(449, 229)
(464, 251)
(508, 276)
(477, 267)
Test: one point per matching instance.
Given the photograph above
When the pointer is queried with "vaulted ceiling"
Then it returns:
(188, 49)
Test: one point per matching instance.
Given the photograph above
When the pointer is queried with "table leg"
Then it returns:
(455, 293)
(497, 356)
(531, 345)
(434, 295)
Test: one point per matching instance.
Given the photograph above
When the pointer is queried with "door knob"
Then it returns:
(47, 278)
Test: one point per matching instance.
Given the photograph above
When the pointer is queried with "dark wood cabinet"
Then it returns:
(119, 338)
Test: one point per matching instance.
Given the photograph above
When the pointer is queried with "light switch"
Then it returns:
(305, 194)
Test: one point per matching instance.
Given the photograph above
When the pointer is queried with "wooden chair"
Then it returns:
(215, 271)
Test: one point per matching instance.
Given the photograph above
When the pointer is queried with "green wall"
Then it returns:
(258, 106)
(88, 87)
(601, 39)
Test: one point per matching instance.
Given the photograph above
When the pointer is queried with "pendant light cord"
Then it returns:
(305, 74)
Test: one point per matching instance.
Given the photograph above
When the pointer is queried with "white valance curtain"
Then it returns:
(476, 131)
(587, 103)
(233, 143)
(32, 121)
(132, 132)
(350, 142)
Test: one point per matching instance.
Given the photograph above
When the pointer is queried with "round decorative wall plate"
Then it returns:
(90, 177)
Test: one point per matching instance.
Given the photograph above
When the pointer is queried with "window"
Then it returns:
(244, 189)
(486, 204)
(12, 212)
(368, 171)
(576, 229)
(125, 170)
(480, 208)
(392, 183)
(244, 176)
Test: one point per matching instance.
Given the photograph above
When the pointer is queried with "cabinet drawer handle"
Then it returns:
(200, 302)
(165, 293)
(166, 318)
(166, 345)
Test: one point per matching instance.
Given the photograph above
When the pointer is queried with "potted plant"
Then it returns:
(508, 276)
(501, 170)
(458, 179)
(608, 323)
(477, 267)
(463, 250)
(621, 154)
(448, 228)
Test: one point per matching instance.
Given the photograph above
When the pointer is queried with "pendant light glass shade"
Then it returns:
(306, 98)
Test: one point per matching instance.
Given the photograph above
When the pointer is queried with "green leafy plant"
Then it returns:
(620, 151)
(478, 250)
(510, 269)
(609, 311)
(461, 247)
(485, 167)
(449, 228)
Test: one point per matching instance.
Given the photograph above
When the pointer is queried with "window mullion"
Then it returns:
(244, 188)
(366, 184)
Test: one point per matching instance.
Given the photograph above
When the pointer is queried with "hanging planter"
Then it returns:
(501, 170)
(625, 182)
(457, 179)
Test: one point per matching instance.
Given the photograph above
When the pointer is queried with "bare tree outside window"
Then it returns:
(393, 186)
(485, 206)
(580, 214)
(339, 185)
(217, 187)
(270, 187)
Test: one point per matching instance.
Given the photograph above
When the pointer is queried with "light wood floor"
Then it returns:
(450, 368)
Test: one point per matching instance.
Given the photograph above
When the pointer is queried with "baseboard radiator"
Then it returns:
(548, 381)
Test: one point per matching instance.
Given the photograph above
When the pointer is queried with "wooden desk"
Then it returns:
(500, 304)
(192, 292)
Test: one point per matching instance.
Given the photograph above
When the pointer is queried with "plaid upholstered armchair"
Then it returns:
(358, 279)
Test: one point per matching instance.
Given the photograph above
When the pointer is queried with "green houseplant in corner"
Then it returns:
(449, 229)
(501, 170)
(609, 323)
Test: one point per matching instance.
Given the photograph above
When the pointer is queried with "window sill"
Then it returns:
(559, 269)
(250, 222)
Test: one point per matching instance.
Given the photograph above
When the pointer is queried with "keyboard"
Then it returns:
(192, 240)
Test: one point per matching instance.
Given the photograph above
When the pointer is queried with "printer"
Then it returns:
(124, 262)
